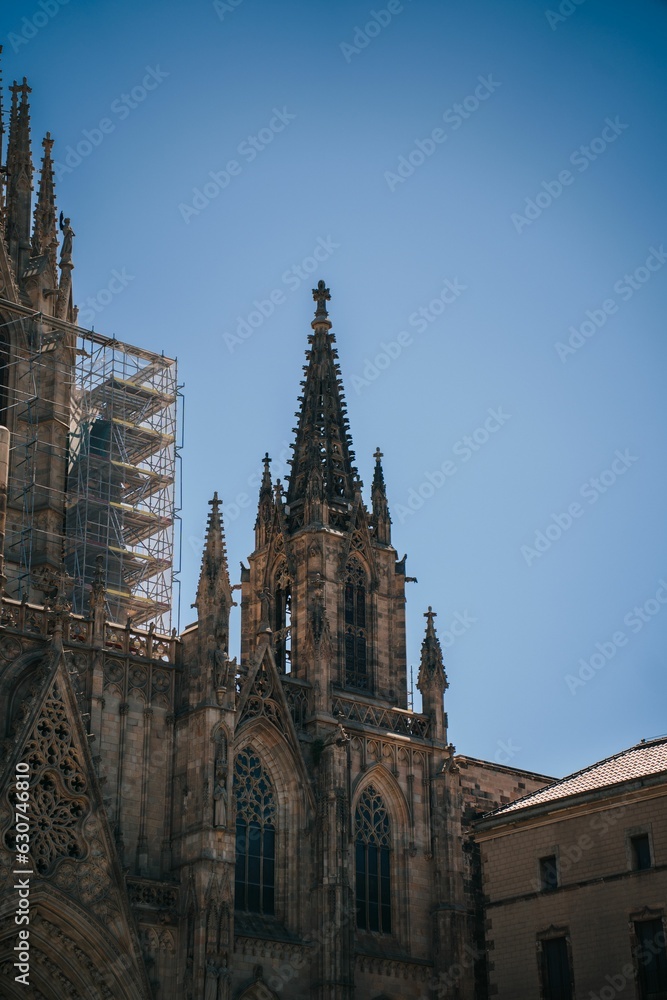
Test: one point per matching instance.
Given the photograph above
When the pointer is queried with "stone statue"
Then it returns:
(220, 807)
(68, 236)
(220, 794)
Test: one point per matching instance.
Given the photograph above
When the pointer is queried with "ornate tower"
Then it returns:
(37, 360)
(324, 572)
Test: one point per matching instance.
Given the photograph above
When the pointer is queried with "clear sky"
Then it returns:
(483, 186)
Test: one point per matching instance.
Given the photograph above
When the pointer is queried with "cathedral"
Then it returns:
(175, 823)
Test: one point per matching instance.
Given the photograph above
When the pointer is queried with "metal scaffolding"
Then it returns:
(122, 468)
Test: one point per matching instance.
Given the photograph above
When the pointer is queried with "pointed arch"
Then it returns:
(294, 807)
(19, 679)
(380, 783)
(372, 857)
(256, 821)
(385, 782)
(70, 949)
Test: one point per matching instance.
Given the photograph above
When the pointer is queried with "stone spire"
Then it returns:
(323, 481)
(432, 679)
(19, 179)
(214, 592)
(45, 231)
(265, 506)
(380, 520)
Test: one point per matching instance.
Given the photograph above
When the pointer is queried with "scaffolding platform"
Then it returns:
(121, 482)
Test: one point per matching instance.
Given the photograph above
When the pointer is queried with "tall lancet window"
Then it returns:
(372, 845)
(282, 625)
(255, 836)
(356, 674)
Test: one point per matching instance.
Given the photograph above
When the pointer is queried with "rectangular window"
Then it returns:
(641, 852)
(556, 972)
(651, 960)
(548, 873)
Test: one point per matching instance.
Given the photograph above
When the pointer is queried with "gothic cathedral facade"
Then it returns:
(176, 824)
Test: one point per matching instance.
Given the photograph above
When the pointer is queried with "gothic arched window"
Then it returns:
(372, 847)
(355, 626)
(282, 624)
(255, 835)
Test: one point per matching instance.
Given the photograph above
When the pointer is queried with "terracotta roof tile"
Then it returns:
(645, 758)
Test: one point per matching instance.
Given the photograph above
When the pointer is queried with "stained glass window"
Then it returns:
(255, 835)
(372, 836)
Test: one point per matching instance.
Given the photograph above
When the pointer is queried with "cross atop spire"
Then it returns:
(321, 295)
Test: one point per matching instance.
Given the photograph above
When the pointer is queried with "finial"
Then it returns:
(377, 454)
(321, 296)
(215, 502)
(430, 614)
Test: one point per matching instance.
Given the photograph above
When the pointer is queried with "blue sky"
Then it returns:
(483, 186)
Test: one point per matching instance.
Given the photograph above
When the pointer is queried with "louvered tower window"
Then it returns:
(356, 669)
(372, 837)
(255, 836)
(282, 625)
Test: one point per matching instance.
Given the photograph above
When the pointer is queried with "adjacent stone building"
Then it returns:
(575, 883)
